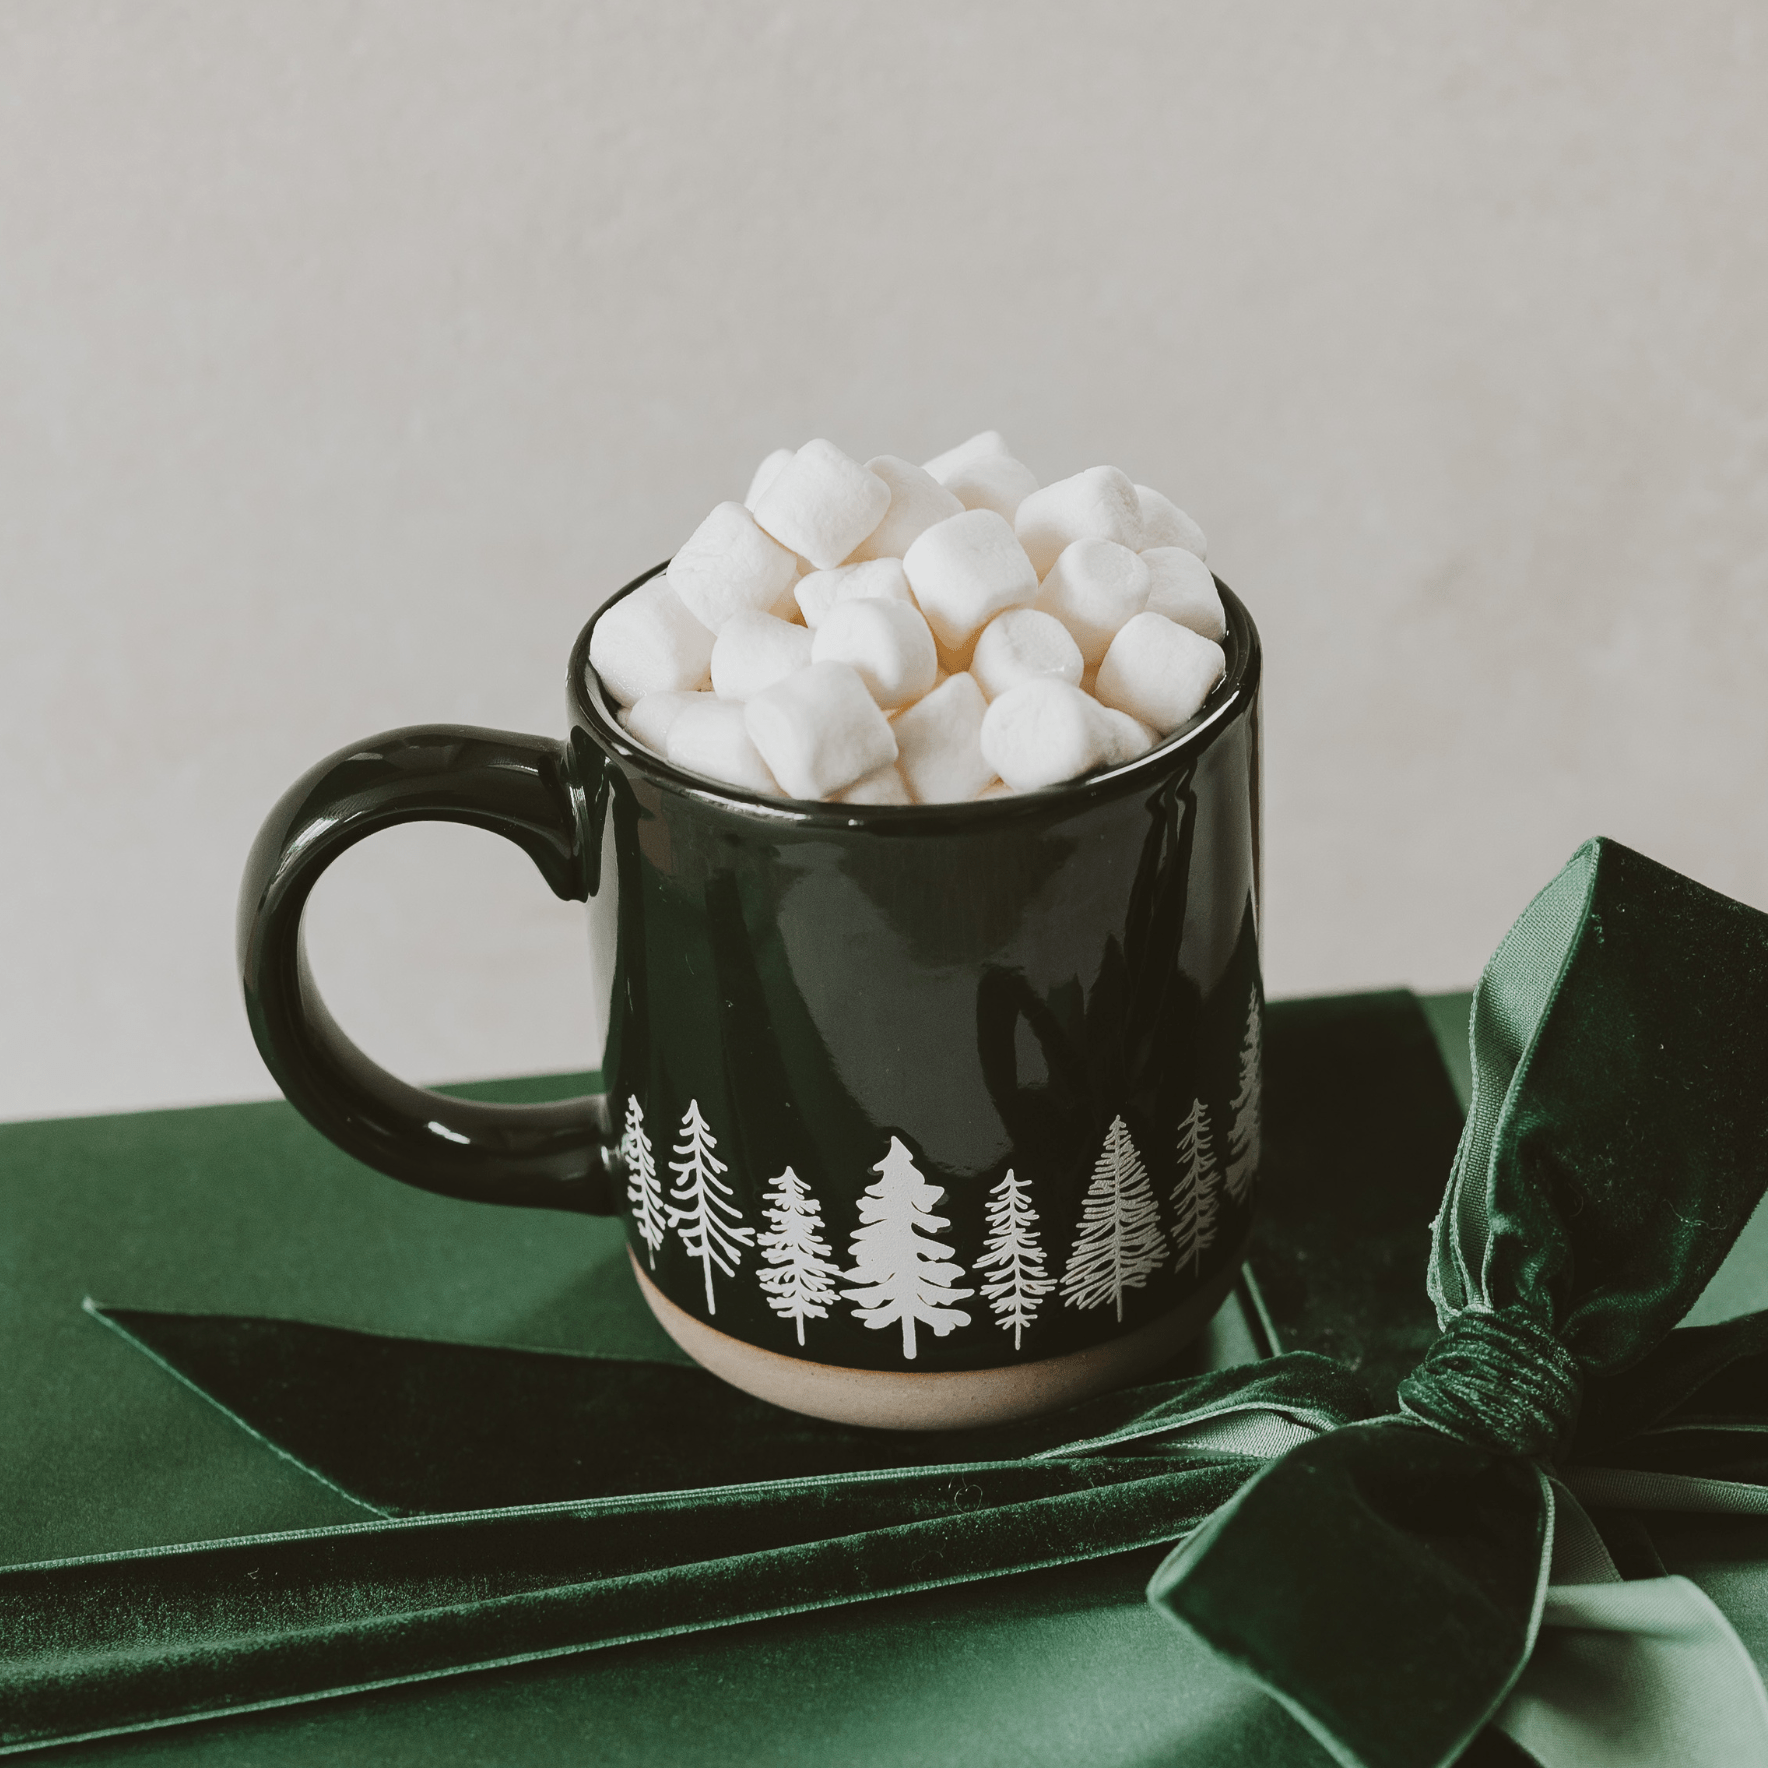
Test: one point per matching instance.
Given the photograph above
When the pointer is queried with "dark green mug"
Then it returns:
(917, 1115)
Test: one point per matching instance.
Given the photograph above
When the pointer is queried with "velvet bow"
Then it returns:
(1387, 1578)
(1615, 1145)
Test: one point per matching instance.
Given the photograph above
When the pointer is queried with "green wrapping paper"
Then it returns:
(1386, 1577)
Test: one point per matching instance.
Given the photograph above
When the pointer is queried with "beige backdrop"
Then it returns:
(350, 352)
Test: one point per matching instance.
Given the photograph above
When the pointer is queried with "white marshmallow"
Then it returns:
(1093, 588)
(883, 786)
(754, 651)
(939, 743)
(1019, 644)
(822, 504)
(820, 730)
(954, 460)
(728, 564)
(818, 592)
(650, 719)
(1159, 672)
(1042, 732)
(1125, 737)
(1165, 524)
(765, 474)
(996, 482)
(917, 501)
(888, 642)
(964, 571)
(710, 738)
(1183, 589)
(1099, 504)
(648, 643)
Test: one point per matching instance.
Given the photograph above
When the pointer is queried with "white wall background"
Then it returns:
(351, 350)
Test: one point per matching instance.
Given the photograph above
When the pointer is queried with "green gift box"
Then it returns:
(422, 1356)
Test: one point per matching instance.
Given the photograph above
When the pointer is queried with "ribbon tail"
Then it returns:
(1643, 1674)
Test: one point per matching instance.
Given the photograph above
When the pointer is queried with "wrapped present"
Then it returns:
(1431, 1517)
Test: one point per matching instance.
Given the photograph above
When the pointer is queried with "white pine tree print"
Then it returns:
(1119, 1242)
(712, 1227)
(906, 1274)
(800, 1281)
(1244, 1135)
(1014, 1250)
(643, 1190)
(1195, 1202)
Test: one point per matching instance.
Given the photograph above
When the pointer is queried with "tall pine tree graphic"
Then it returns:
(711, 1226)
(905, 1275)
(799, 1282)
(1245, 1132)
(1195, 1202)
(1119, 1243)
(1015, 1252)
(643, 1189)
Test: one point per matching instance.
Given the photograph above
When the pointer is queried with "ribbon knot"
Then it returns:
(1498, 1381)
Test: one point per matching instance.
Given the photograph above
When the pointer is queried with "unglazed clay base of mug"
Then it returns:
(887, 1399)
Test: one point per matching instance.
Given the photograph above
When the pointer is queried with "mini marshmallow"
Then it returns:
(710, 738)
(1125, 737)
(966, 454)
(1183, 589)
(888, 642)
(728, 564)
(765, 474)
(648, 643)
(650, 719)
(1093, 588)
(1099, 504)
(883, 786)
(1022, 643)
(964, 571)
(939, 743)
(1165, 524)
(820, 730)
(917, 501)
(1042, 732)
(822, 504)
(821, 590)
(996, 482)
(1159, 672)
(753, 651)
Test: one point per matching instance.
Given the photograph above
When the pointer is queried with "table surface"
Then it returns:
(245, 1209)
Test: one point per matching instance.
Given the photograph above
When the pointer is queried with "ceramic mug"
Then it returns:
(918, 1116)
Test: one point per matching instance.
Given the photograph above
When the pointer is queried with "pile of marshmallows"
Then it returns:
(894, 634)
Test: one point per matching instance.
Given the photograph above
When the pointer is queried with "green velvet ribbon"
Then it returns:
(1396, 1581)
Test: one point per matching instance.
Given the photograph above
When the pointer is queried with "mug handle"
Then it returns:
(552, 1156)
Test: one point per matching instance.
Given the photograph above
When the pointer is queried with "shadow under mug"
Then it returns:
(918, 1116)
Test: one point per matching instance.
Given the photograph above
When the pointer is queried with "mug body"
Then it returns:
(933, 1115)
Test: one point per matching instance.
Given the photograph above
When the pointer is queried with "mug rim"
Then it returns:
(592, 707)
